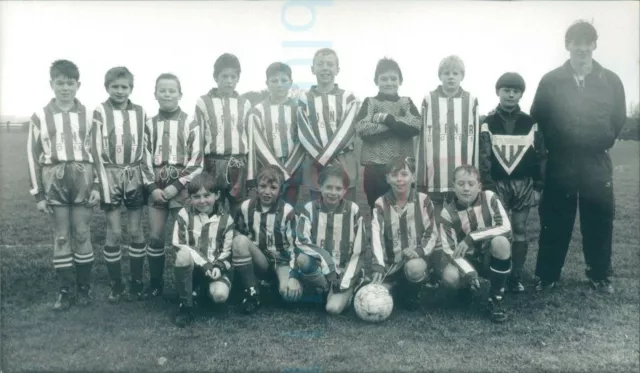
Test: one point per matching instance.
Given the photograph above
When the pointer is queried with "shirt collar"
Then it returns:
(322, 207)
(274, 208)
(169, 115)
(391, 198)
(215, 93)
(76, 108)
(441, 92)
(387, 97)
(314, 90)
(128, 107)
(506, 113)
(460, 206)
(596, 69)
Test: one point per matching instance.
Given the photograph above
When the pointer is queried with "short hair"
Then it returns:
(65, 68)
(271, 174)
(334, 171)
(466, 168)
(169, 76)
(226, 61)
(510, 80)
(203, 180)
(386, 65)
(278, 67)
(326, 52)
(117, 73)
(581, 31)
(399, 163)
(452, 62)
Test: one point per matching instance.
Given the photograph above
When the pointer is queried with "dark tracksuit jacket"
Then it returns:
(579, 125)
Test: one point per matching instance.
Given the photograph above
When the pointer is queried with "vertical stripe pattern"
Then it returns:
(222, 121)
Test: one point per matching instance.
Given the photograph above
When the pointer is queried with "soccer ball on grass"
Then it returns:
(373, 303)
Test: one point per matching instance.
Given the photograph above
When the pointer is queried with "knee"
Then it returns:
(240, 245)
(415, 270)
(334, 308)
(183, 258)
(136, 234)
(305, 263)
(500, 248)
(219, 294)
(81, 234)
(451, 276)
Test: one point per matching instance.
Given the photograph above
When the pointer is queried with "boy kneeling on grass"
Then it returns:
(403, 234)
(330, 239)
(475, 227)
(202, 234)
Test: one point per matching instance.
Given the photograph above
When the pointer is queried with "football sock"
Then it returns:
(436, 258)
(243, 265)
(184, 283)
(84, 262)
(65, 277)
(136, 260)
(155, 257)
(499, 270)
(112, 255)
(519, 256)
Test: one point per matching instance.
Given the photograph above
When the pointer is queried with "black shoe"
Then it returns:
(543, 285)
(602, 286)
(514, 284)
(411, 297)
(184, 316)
(465, 296)
(154, 290)
(84, 296)
(116, 292)
(64, 301)
(251, 301)
(135, 290)
(496, 309)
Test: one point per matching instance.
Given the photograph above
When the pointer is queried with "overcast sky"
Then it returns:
(186, 37)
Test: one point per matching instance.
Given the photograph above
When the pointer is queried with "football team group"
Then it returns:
(449, 195)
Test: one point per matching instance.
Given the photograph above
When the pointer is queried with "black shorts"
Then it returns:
(230, 172)
(516, 194)
(67, 183)
(125, 187)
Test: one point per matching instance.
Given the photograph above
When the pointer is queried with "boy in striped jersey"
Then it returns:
(475, 226)
(202, 236)
(403, 234)
(221, 119)
(326, 123)
(123, 158)
(264, 243)
(63, 180)
(330, 242)
(387, 124)
(275, 131)
(177, 158)
(511, 161)
(448, 139)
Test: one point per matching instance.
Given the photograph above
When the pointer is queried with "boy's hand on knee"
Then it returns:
(44, 207)
(157, 196)
(377, 278)
(94, 198)
(460, 250)
(409, 254)
(294, 289)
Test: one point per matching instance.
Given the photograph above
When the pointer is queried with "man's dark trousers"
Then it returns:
(576, 180)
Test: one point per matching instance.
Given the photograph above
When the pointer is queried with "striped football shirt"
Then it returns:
(207, 238)
(482, 221)
(326, 123)
(122, 138)
(336, 238)
(176, 142)
(272, 230)
(448, 138)
(275, 136)
(57, 136)
(395, 229)
(223, 124)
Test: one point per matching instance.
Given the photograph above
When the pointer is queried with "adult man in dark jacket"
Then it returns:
(580, 110)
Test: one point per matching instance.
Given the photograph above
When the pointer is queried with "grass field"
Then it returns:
(571, 329)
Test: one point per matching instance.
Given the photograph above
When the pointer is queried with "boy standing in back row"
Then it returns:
(326, 122)
(448, 139)
(220, 117)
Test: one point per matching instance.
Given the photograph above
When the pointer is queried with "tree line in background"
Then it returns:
(630, 131)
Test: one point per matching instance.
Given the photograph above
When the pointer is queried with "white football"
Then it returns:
(373, 303)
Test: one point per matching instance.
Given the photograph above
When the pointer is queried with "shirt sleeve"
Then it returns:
(365, 126)
(357, 248)
(430, 235)
(377, 239)
(448, 236)
(34, 151)
(96, 152)
(500, 227)
(194, 165)
(485, 158)
(223, 261)
(180, 238)
(148, 177)
(304, 242)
